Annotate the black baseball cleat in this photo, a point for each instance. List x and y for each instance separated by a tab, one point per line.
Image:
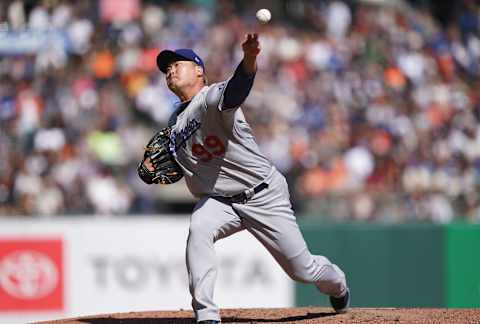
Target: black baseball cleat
341	304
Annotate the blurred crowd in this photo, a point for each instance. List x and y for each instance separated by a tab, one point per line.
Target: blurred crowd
371	109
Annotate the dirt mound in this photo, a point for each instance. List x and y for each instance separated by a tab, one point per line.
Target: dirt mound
291	315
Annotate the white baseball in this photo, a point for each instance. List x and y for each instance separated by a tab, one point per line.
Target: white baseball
264	15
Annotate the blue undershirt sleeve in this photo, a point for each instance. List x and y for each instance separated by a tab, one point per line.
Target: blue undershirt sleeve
238	88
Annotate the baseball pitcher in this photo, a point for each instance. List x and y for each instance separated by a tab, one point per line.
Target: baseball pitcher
209	142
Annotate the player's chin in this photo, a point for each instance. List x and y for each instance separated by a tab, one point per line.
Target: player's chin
172	85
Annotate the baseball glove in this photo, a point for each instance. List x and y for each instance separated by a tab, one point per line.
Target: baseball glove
166	169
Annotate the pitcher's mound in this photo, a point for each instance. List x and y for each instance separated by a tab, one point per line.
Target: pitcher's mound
292	315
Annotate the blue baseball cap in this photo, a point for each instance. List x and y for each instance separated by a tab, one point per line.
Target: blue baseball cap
165	57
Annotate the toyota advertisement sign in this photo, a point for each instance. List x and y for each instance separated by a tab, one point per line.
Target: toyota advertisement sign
58	268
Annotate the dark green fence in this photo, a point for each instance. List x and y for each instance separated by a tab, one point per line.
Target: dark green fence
411	265
462	281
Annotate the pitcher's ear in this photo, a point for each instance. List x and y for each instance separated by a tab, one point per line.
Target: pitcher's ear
200	71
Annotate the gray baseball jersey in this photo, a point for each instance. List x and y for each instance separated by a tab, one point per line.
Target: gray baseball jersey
219	155
215	147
